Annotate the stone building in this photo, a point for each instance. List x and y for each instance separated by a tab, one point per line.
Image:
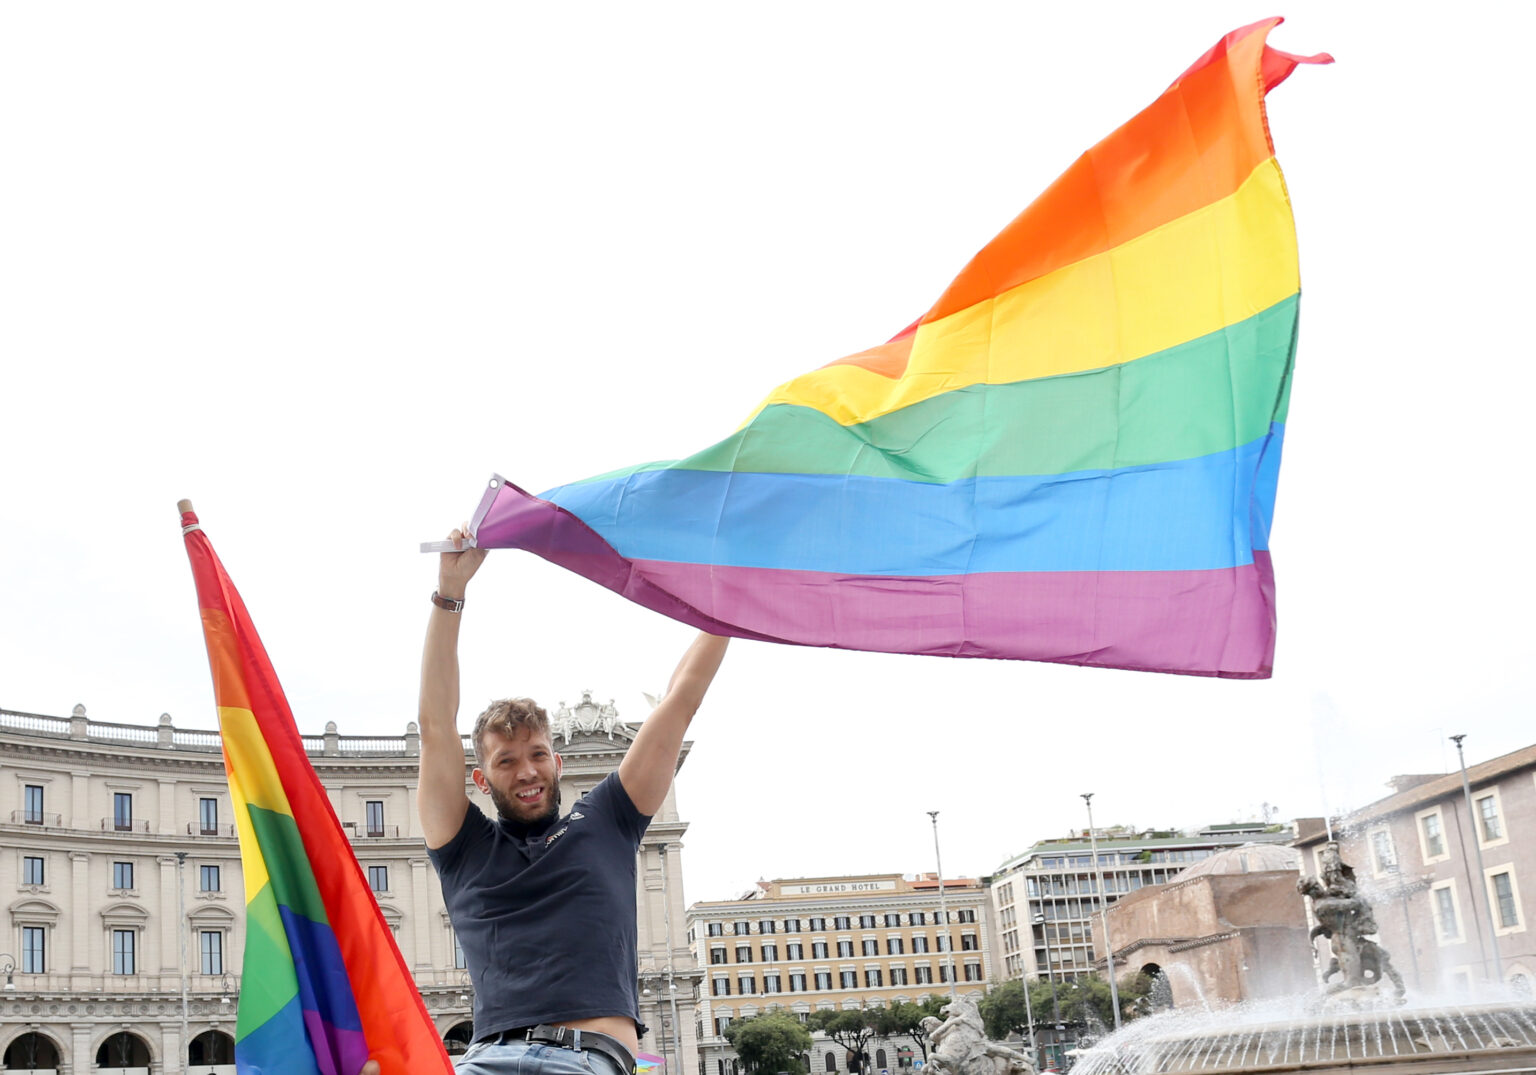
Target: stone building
814	943
1450	924
1227	929
1044	900
122	891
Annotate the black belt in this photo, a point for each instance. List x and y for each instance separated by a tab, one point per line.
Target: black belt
567	1038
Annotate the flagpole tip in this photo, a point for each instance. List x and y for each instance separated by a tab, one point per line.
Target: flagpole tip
183	506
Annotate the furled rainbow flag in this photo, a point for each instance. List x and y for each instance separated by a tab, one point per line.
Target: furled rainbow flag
323	987
1071	457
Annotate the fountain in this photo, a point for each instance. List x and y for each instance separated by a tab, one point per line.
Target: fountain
1363	1019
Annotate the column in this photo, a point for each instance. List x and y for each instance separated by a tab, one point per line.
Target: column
81	1057
171	925
79	919
167	822
421	916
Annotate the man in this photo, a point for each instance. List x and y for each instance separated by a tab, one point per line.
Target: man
543	906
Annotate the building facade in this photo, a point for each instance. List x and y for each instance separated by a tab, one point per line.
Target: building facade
124	903
822	943
1453	889
1045	899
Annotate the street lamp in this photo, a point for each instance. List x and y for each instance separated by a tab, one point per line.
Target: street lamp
949	948
1029	1017
1477	845
1109	948
1050	975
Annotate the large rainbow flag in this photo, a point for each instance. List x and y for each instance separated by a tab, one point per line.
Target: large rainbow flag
323	987
1072	456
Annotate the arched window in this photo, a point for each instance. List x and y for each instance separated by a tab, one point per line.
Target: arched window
831	1062
458	1038
123	1050
880	1059
211	1047
32	1051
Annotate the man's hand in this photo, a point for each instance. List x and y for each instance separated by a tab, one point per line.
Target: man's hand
370	1068
455	569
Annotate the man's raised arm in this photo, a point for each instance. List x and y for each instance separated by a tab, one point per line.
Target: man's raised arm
646	771
440	798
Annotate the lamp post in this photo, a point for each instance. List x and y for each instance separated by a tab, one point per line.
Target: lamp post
1029	1016
1109	948
666	918
181	929
1482	872
949	949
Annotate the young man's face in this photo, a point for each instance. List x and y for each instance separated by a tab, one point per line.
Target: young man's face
521	775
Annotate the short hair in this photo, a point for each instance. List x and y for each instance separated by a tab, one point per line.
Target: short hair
504	717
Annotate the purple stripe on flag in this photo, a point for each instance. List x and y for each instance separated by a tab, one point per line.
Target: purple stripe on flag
337	1051
1214	622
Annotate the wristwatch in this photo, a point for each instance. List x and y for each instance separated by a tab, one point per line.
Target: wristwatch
447	604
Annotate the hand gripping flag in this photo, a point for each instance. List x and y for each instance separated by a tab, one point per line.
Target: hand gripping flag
1072	456
323	986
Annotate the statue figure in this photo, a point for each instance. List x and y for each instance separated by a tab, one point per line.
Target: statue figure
587	718
960	1045
1345	918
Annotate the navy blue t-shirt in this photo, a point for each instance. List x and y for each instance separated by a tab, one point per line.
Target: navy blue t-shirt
547	923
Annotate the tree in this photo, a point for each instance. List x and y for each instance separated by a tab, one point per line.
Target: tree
904	1018
770	1043
1004	1012
851	1028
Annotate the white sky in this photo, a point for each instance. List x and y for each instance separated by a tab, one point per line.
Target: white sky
323	268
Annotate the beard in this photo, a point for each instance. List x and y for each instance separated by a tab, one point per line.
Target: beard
508	809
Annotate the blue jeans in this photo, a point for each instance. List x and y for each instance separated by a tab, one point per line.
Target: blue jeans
533	1058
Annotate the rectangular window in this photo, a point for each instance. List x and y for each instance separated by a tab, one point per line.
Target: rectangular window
34	950
973	972
771	983
716	929
872	977
373	817
459	962
1382	852
208	816
818	924
1445	914
122	875
378	878
721	1022
717	956
721	987
1488	812
893	919
32	804
211	949
845	948
1434	838
742	929
848	979
967	915
770	952
1504	899
791	925
208	879
747	984
941	943
840	922
898	975
743	953
919	943
767	925
818	949
32	870
122	811
871	946
866	921
794	950
893	946
945	972
122	951
917	918
922	975
823	980
797	982
969	942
